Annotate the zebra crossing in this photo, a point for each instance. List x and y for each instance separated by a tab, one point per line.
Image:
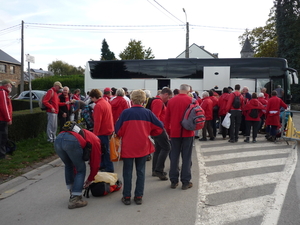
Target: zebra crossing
243	183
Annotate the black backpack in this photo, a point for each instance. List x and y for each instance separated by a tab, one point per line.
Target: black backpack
253	113
236	102
149	102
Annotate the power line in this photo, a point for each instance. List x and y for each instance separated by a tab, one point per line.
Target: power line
168	11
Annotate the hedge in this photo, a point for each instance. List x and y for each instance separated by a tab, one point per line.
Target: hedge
27	125
23	104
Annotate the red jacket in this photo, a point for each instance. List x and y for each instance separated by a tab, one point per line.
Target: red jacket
253	104
215	100
118	104
103	119
263	101
222	103
135	125
95	157
5	105
107	98
207	106
159	109
231	98
51	100
174	114
266	96
273	111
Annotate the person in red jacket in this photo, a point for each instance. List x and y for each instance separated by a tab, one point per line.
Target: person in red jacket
261	98
273	116
103	127
264	91
162	143
252	111
207	106
236	113
51	101
222	103
118	104
215	99
5	114
135	125
69	147
181	139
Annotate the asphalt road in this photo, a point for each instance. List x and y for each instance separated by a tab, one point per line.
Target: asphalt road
234	183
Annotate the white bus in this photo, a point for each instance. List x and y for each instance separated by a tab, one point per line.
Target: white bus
201	74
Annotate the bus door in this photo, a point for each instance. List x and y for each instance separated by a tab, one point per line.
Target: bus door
216	76
263	83
161	83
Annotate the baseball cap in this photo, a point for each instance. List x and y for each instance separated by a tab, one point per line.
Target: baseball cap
7	81
58	84
107	89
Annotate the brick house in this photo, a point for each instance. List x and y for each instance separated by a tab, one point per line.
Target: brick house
10	68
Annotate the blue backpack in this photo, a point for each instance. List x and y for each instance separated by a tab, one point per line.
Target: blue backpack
87	115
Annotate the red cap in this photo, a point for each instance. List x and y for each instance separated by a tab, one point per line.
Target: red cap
107	89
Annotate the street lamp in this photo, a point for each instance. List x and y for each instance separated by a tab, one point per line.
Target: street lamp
187	36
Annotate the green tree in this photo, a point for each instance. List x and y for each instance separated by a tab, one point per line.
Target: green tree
263	39
135	50
61	68
106	54
288	32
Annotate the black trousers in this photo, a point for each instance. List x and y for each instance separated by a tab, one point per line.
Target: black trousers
3	138
255	128
235	122
162	149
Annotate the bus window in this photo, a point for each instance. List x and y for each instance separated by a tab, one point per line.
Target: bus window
153	69
182	69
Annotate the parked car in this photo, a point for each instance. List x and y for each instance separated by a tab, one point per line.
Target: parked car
36	95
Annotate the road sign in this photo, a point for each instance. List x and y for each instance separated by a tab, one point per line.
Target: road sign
29	58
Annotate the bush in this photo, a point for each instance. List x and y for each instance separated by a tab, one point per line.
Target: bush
27	125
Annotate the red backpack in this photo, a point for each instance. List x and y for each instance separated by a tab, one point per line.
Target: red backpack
193	118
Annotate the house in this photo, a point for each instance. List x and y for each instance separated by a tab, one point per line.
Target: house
10	68
196	51
37	73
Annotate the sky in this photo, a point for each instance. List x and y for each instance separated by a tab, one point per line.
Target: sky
158	24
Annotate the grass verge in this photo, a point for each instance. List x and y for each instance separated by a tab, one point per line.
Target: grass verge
28	152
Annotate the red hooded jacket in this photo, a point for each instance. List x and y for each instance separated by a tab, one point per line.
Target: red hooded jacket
118	104
159	109
207	106
5	105
273	111
253	104
51	100
222	103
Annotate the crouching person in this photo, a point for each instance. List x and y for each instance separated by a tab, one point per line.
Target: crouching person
135	125
70	145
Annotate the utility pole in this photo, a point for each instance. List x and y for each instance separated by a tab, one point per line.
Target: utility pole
187	55
22	58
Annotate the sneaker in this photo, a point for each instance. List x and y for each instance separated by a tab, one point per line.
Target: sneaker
231	141
76	202
196	137
161	175
138	200
174	185
212	139
186	186
126	200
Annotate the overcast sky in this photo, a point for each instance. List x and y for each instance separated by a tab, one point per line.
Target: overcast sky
214	24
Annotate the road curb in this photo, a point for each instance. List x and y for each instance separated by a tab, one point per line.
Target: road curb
5	187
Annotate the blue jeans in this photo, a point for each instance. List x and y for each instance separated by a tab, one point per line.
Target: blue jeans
184	147
106	164
140	166
69	150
